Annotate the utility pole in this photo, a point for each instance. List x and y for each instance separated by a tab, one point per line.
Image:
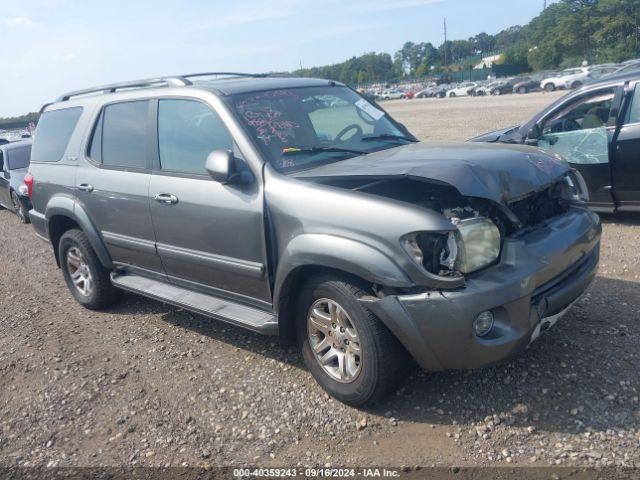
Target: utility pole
445	41
544	5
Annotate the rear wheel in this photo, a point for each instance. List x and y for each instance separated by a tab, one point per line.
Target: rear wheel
87	279
347	349
452	94
522	90
18	208
549	87
576	84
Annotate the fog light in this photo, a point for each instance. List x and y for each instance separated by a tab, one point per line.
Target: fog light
483	323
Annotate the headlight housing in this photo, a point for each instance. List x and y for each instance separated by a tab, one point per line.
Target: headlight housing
478	245
474	245
577	186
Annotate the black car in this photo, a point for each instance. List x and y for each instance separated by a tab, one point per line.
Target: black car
526	85
506	86
597	130
14	163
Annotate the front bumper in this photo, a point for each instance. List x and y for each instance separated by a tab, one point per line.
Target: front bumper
539	276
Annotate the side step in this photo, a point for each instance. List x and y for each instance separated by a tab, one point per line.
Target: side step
230	312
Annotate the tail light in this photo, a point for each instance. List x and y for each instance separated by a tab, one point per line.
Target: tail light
28	181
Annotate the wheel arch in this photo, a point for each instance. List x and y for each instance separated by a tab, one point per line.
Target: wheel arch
64	214
309	254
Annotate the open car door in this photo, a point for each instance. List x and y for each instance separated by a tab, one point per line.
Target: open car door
582	132
626	155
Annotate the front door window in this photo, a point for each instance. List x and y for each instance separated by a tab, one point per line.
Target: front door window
579	132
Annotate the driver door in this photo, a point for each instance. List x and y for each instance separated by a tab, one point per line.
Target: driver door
581	132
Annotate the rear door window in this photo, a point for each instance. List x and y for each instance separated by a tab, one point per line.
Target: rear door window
188	131
53	133
124	133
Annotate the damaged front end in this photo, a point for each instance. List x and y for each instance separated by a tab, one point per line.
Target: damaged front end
481	225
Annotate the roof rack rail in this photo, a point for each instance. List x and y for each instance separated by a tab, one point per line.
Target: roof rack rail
175	81
227	74
171	81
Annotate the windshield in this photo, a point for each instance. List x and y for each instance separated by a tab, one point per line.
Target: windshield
299	128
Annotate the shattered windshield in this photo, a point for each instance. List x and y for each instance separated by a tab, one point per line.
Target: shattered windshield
300	128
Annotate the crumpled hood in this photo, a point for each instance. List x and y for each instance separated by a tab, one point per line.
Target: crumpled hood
498	172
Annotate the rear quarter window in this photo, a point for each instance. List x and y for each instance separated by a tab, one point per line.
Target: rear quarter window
53	133
19	157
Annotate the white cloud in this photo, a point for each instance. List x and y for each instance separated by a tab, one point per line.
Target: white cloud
253	13
18	22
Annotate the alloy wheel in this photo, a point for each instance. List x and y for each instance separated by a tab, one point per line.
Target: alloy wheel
79	271
334	340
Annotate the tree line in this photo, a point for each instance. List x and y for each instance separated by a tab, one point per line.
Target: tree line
563	35
19	122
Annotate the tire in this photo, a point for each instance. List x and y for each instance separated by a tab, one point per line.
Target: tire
549	87
522	90
99	292
382	360
575	85
18	208
452	95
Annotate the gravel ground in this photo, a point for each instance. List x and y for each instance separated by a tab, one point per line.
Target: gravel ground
148	384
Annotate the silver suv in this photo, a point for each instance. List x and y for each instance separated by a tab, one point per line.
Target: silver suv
296	207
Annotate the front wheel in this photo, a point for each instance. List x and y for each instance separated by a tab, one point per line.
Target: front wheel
87	279
522	90
452	95
19	209
347	349
549	87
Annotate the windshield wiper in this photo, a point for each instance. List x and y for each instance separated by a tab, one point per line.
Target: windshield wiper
299	150
387	136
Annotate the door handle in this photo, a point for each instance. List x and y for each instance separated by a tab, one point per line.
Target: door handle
166	198
85	187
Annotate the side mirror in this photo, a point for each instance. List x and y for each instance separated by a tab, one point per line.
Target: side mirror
221	166
534	132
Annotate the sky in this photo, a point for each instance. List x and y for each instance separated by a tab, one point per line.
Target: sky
48	47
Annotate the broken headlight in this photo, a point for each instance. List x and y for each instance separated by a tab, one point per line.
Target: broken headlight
577	186
474	245
435	251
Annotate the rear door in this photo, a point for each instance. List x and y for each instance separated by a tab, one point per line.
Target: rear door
581	131
626	165
112	183
210	236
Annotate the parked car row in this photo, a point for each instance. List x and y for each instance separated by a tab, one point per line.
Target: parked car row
296	207
549	81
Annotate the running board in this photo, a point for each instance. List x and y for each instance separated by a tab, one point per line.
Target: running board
214	307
